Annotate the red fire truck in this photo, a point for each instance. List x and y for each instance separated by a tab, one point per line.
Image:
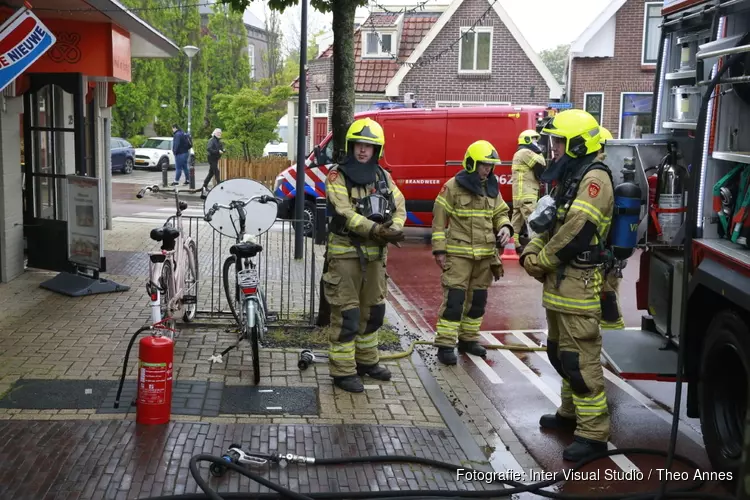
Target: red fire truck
423	149
694	234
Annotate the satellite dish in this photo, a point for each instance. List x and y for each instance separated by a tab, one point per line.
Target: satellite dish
259	217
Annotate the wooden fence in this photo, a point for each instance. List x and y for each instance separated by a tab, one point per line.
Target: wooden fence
263	170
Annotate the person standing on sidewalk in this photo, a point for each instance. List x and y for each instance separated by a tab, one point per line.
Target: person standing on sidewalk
471	206
565	256
528	165
367	212
215	149
181	150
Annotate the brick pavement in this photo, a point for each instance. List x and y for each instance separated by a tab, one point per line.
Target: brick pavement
44	335
120	460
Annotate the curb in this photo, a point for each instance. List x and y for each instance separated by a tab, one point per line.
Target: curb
456	426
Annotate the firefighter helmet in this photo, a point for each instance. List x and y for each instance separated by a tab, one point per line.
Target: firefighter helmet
605	135
579	130
528	136
368	131
480	152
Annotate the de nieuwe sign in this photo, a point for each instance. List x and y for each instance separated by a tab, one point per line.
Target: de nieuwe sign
23	40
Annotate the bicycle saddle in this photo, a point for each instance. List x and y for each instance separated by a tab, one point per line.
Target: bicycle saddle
245	250
165	233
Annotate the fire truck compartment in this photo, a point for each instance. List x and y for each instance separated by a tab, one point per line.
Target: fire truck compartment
639	355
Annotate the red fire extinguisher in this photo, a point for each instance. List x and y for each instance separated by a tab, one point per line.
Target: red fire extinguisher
154	401
155	366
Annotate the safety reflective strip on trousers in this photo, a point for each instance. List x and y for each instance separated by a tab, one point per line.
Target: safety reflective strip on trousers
590	405
341	351
447	327
367	340
608	325
471	325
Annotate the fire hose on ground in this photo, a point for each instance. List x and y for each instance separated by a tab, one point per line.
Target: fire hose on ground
236	460
308	357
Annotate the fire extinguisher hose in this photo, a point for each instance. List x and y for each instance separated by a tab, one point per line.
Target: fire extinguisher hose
147	328
515	486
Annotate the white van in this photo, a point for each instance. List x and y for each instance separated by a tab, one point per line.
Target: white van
278	148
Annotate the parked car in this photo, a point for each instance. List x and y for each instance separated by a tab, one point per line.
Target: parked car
278	147
420	173
123	155
155	152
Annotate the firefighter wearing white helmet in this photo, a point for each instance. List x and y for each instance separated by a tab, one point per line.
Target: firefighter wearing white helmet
367	212
528	165
571	225
476	216
611	310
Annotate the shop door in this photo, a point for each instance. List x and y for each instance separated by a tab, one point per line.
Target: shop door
53	148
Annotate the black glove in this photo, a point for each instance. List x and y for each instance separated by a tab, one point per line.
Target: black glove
384	233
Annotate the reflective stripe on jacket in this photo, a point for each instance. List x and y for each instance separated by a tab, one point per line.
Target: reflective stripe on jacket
473	222
524	182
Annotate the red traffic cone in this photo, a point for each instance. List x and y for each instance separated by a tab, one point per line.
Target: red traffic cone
509	252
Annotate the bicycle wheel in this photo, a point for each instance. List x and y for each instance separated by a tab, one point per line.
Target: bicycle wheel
255	342
190	287
167	292
230	287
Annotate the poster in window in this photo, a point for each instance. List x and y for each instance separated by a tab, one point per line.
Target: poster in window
84	222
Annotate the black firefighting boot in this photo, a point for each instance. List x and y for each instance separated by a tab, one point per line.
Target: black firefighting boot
349	383
472	347
583	448
557	421
447	355
375	371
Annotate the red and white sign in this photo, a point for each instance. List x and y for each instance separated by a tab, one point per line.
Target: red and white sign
23	40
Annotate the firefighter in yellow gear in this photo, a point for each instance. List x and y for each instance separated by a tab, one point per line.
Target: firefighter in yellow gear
528	165
367	212
466	251
571	226
611	310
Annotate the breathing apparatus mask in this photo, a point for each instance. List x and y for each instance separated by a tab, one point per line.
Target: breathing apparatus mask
543	218
376	206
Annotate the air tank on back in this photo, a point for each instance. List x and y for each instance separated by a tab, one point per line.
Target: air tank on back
627	212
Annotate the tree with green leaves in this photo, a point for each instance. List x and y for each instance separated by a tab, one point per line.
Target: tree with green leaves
250	116
343	56
555	60
227	63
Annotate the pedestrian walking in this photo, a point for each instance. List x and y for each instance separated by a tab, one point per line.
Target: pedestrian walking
215	149
181	149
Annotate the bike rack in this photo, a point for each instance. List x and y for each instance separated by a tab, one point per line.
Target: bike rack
290	286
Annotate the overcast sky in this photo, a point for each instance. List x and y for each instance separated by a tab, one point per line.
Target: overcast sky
544	23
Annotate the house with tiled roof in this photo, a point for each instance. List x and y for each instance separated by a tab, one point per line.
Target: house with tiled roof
466	53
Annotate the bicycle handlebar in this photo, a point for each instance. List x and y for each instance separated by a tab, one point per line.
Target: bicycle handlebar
153	188
238	204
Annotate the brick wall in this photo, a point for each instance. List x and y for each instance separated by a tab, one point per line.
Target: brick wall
614	75
513	76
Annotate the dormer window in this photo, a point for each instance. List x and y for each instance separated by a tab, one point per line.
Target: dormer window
378	44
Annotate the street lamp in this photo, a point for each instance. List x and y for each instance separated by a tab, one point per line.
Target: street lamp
190	51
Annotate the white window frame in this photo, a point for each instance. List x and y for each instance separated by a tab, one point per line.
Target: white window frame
379	54
646	8
251	59
601	109
477	30
468	104
622	105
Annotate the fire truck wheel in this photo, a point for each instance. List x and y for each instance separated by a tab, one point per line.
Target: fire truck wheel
723	389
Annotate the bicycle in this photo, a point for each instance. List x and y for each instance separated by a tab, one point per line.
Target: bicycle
172	284
248	305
